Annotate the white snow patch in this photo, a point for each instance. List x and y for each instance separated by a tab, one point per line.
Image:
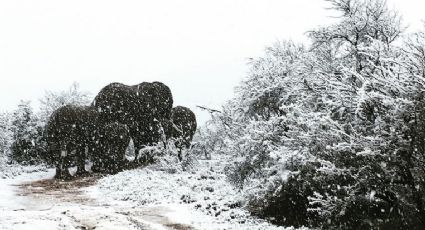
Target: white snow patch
9	200
201	198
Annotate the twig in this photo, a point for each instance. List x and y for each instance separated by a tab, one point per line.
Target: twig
208	109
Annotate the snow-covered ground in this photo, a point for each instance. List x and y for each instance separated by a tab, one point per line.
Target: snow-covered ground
10	198
155	197
36	201
201	198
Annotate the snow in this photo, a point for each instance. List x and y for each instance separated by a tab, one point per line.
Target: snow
9	200
201	198
71	217
161	196
46	211
13	170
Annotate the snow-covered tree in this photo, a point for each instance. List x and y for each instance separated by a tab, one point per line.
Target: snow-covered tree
53	100
333	135
5	135
26	133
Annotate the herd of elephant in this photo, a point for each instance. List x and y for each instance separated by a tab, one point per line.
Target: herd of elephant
119	113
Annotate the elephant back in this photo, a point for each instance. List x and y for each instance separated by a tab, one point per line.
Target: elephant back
115	103
155	101
65	119
70	125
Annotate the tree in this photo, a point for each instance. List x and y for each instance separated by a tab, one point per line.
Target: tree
5	135
25	134
53	100
335	129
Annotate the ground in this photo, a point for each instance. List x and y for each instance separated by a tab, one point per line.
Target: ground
36	201
156	197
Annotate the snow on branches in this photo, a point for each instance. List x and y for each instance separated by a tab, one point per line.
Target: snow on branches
336	130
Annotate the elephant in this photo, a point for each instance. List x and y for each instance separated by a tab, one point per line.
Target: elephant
71	128
116	102
163	99
143	108
182	128
114	139
148	133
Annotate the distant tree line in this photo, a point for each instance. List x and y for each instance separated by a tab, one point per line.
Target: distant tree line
332	135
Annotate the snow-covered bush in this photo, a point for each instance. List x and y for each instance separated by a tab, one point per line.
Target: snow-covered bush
53	100
209	138
27	133
5	135
332	135
5	139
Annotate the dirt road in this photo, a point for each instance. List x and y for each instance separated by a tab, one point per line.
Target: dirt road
45	203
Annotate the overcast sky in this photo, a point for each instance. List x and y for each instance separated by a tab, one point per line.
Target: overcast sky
199	48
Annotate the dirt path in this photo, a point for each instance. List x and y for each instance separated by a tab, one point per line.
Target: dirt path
55	204
62	191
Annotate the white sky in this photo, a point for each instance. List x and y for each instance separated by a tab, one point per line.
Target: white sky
197	47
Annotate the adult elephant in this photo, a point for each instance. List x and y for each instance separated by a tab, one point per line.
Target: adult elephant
143	108
114	139
183	127
116	102
71	128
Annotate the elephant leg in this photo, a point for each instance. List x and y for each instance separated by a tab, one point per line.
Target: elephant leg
122	160
180	148
81	164
121	165
57	161
136	153
64	165
178	145
59	170
146	156
95	167
165	143
99	152
150	156
98	165
117	164
188	144
179	154
117	160
95	160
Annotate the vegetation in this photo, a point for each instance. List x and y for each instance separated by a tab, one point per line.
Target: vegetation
332	135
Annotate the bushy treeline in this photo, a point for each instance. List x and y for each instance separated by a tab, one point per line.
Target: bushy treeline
332	135
22	132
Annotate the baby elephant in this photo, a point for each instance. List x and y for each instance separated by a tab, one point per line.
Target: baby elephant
114	139
183	122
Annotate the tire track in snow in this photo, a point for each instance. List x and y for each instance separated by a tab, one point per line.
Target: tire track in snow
69	204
